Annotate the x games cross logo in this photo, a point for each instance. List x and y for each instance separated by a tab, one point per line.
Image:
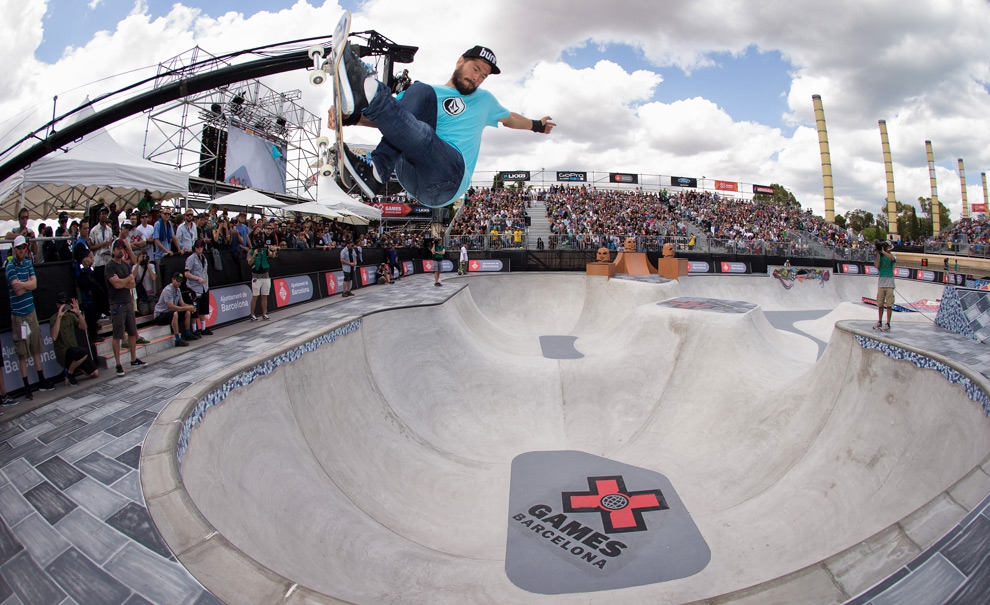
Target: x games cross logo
621	509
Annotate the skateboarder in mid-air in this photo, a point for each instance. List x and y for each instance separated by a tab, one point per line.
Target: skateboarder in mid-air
431	135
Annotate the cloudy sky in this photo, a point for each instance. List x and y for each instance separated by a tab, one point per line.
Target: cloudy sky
708	88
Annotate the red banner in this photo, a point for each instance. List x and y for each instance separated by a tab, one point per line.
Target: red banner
979	207
726	186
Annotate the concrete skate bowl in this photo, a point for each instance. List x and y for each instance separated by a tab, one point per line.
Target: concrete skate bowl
371	463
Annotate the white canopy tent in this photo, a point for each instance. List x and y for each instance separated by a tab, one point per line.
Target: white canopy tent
96	168
246	199
332	196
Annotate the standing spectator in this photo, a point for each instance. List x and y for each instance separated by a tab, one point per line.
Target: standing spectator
170	306
125	236
22	229
68	353
884	261
261	282
393	263
186	232
146	203
100	239
438	251
119	284
348	262
145	232
239	241
21	282
163	238
62	249
462	266
82	241
145	278
198	281
221	235
88	292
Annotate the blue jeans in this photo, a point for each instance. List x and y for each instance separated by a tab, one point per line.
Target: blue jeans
428	168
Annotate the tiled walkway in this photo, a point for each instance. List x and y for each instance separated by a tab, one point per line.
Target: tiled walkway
73	522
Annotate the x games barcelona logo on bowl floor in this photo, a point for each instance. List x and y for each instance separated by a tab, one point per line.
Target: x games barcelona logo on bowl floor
582	523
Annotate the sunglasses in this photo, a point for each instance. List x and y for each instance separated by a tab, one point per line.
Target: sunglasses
22	247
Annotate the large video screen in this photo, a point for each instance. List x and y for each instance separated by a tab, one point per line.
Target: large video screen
255	161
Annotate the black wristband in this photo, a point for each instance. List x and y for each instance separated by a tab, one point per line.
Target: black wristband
539	126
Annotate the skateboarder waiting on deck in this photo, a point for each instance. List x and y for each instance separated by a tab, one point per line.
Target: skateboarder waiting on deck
885	287
431	135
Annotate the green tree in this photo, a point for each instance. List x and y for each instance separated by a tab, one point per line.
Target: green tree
859	220
925	203
873	234
908	225
781	197
497	182
840	221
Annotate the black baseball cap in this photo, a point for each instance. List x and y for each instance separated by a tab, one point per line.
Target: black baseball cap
485	54
63	298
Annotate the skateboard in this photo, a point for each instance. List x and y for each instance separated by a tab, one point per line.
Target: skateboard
332	163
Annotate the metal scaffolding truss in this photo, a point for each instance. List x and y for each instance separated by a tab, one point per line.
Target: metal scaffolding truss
174	132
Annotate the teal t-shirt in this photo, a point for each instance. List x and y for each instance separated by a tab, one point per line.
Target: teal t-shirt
460	121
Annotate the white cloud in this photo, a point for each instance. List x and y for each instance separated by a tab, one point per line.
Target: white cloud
921	66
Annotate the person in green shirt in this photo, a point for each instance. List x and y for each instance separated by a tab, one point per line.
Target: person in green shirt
438	252
64	323
885	286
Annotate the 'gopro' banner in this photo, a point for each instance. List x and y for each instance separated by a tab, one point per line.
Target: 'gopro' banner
581	177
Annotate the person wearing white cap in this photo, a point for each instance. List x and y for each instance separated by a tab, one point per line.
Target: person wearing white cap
21	283
431	135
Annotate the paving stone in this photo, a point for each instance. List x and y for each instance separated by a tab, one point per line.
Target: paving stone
47	451
13	506
62	474
134	522
31	434
40	539
930	584
61	431
90	535
22	475
86	446
124	443
103	469
98	499
51	503
6	592
131	457
30	583
129	486
9	544
84	581
156	579
970	549
131	423
137	599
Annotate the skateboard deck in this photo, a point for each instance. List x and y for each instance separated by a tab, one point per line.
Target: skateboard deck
338	41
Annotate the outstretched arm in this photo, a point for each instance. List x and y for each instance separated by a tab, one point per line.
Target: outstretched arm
544	125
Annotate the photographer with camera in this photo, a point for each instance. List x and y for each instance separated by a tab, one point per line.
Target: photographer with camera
263	246
144	284
885	287
67	319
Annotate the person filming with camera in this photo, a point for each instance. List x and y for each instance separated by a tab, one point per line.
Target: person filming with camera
884	261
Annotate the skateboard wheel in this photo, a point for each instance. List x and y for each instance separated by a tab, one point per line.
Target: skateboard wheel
327	172
323	142
317	78
315	51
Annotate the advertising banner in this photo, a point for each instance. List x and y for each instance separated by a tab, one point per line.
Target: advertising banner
487	265
763	189
228	304
923	275
12	369
445	266
726	186
572	176
408	267
623	177
292	290
980	207
683	181
334	281
700	266
849	269
515	175
733	267
410	211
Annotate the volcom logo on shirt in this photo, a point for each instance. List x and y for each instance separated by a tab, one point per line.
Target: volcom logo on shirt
454	106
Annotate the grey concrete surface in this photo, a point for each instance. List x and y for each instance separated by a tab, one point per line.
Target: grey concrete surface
375	468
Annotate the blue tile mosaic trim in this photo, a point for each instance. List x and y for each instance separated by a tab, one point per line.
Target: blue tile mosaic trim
950	314
973	391
245	378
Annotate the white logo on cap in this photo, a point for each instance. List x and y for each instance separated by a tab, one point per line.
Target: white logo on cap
487	55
